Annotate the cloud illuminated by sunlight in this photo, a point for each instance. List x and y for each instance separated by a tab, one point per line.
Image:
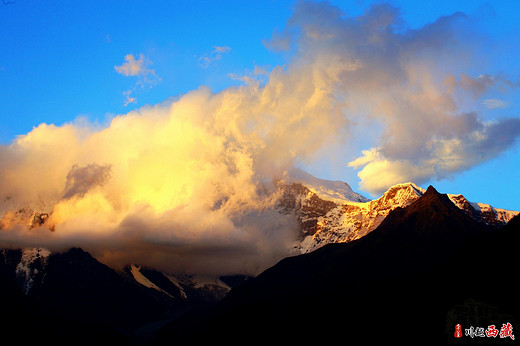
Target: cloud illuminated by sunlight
133	67
185	184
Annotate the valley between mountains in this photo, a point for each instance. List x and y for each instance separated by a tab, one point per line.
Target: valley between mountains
398	266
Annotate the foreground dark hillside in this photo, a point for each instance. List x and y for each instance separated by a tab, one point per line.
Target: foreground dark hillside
70	297
424	269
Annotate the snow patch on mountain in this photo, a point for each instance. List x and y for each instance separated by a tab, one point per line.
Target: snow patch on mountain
174	280
31	265
482	211
180	286
503	215
207	280
143	280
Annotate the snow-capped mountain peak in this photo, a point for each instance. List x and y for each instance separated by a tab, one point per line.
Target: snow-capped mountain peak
329	216
336	191
352	220
400	195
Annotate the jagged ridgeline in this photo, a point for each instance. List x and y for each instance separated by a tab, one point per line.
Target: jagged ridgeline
330	212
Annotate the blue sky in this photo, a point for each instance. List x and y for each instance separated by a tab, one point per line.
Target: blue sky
58	58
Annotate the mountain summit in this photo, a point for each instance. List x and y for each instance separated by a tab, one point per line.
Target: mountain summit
337	191
324	218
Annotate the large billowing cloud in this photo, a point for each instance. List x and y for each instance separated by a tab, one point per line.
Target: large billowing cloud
184	185
414	83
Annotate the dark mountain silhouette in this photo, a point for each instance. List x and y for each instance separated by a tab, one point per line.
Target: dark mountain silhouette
71	294
77	285
67	308
59	297
408	279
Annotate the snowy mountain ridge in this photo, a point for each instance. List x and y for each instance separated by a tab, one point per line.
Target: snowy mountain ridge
487	213
336	191
350	220
328	216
